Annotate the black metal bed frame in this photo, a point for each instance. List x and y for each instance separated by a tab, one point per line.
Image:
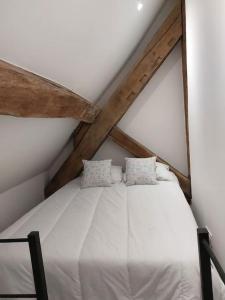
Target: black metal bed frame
206	255
33	240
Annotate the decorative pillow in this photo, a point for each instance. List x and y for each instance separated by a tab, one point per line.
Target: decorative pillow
116	174
166	176
161	175
161	165
96	173
141	171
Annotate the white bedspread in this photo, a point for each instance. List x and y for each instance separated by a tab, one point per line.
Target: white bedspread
114	243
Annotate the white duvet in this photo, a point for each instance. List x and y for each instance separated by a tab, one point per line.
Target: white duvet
113	243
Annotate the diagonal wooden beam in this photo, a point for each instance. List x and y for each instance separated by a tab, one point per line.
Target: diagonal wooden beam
79	133
156	52
24	94
139	150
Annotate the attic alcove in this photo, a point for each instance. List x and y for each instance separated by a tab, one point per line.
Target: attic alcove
110	81
41	140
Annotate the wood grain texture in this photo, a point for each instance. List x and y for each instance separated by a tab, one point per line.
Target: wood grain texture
79	133
24	94
154	55
185	81
139	150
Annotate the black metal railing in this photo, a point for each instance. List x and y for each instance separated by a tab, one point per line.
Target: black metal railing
206	255
33	240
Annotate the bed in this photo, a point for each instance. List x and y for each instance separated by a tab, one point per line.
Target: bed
112	243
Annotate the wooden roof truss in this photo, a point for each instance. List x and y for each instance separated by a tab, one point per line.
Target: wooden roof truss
96	126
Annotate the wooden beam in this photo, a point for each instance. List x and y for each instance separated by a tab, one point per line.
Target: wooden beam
139	150
185	84
24	94
156	52
79	133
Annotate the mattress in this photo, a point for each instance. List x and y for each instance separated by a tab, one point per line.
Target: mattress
112	243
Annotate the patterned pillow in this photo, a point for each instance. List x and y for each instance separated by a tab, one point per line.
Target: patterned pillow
96	173
141	171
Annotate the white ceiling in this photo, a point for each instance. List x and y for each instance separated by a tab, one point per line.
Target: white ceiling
79	43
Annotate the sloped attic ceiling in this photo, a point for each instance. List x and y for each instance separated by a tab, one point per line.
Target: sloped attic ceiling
79	44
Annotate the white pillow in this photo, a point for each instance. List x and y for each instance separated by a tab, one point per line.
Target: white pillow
162	172
96	173
116	174
141	171
164	175
161	165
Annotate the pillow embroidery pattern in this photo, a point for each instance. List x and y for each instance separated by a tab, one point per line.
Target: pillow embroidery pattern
141	171
96	173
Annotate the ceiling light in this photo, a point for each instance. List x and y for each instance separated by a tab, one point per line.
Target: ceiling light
139	6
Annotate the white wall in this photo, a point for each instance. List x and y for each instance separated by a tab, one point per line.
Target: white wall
206	78
64	154
20	199
110	150
29	146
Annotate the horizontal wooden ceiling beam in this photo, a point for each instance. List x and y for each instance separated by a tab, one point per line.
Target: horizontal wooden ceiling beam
156	52
139	150
24	94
